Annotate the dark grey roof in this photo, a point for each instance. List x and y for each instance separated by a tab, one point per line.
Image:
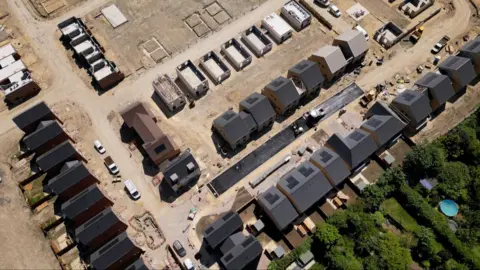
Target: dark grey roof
61	153
383	127
277	207
112	252
440	87
137	265
248	120
355	148
232	241
185	167
232	125
459	69
259	107
331	164
32	115
284	90
381	108
308	72
96	226
355	40
72	173
243	254
45	131
222	228
414	104
472	46
81	202
304	186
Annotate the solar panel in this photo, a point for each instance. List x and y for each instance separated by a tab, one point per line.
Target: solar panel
227	216
277	82
373	122
209	230
325	156
473	45
305	171
228	115
247	242
291	182
408	96
228	257
252	100
356	136
271	198
107	247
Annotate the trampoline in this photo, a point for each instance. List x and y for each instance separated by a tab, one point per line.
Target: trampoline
449	208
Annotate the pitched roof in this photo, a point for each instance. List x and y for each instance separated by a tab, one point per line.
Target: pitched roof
284	90
96	226
222	228
353	149
46	131
472	46
308	72
243	254
112	252
181	170
331	164
414	104
72	173
137	265
248	120
381	108
232	241
259	107
383	127
277	207
304	186
459	69
233	126
32	115
333	57
81	202
129	114
56	156
355	40
440	87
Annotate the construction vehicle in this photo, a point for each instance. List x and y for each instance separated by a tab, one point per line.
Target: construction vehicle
367	98
417	34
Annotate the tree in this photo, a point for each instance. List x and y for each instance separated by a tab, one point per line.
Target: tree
340	259
424	161
454	265
327	235
454	178
392	255
389	181
427	245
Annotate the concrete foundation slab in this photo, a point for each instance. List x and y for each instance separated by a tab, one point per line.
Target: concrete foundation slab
158	55
151	46
201	30
357	12
114	16
193	20
222	17
214	8
214	70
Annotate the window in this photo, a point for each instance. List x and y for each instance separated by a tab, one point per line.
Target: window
160	149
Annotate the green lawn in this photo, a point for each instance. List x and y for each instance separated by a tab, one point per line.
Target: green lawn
396	212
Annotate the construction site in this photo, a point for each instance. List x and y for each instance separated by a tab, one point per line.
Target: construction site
211	108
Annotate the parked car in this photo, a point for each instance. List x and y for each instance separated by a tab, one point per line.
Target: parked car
440	45
112	167
99	147
188	264
177	246
335	11
322	3
132	189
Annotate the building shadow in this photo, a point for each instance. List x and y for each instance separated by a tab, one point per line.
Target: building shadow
163	107
149	168
458	95
166	192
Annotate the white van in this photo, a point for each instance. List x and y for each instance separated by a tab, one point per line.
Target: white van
132	189
363	31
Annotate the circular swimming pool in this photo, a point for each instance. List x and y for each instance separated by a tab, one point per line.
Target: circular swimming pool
449	208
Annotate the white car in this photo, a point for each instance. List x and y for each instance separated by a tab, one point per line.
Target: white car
132	189
188	264
334	10
98	145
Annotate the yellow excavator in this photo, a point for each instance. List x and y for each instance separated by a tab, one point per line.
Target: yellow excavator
417	34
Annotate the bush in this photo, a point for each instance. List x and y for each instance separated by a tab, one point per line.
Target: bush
283	263
389	181
424	161
454	178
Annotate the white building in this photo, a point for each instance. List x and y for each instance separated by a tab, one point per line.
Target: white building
169	92
278	29
296	15
192	78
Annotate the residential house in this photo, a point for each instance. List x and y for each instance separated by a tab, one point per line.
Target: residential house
261	110
331	61
471	50
307	75
244	255
85	205
232	241
117	253
438	88
98	230
47	135
459	69
353	44
277	207
235	128
158	146
222	228
355	149
304	186
283	95
182	171
137	265
385	129
414	108
331	164
74	177
29	119
53	160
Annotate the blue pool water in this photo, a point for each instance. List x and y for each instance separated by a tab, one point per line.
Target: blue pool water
449	208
